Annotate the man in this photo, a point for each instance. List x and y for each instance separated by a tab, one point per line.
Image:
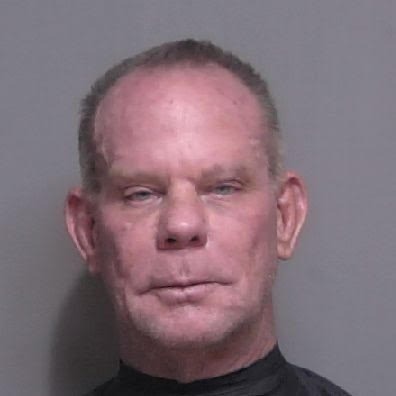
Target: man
184	211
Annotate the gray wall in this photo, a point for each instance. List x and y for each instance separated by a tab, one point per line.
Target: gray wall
331	65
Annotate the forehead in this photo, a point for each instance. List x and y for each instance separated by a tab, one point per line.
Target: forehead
177	79
180	102
209	85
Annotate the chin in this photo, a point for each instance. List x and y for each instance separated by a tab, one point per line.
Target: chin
189	328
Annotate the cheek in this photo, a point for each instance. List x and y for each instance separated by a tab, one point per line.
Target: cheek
263	236
124	248
247	238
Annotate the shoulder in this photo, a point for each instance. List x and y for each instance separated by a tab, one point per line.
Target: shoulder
316	385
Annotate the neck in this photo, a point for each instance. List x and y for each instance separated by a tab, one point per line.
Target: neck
187	364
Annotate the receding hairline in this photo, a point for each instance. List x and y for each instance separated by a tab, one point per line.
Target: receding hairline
161	70
184	53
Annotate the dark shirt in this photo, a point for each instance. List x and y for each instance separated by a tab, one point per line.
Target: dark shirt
272	376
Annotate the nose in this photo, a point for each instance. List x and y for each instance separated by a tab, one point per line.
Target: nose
182	223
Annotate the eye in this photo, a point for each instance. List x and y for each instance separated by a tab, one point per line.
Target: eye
225	189
139	195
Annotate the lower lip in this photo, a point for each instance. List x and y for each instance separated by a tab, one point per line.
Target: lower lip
185	295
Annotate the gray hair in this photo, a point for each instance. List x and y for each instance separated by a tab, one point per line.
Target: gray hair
185	52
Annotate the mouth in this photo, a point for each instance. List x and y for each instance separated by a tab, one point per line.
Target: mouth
181	293
184	285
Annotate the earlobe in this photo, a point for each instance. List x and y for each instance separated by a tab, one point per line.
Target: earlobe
80	225
291	212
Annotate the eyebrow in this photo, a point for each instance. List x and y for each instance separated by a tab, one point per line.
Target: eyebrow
136	176
212	173
220	171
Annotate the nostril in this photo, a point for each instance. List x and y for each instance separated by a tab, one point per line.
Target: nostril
172	241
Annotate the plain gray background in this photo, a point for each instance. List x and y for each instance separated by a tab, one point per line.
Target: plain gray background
331	66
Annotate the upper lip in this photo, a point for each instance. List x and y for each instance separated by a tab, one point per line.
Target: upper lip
182	283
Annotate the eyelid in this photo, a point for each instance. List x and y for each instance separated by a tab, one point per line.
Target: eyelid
132	189
129	193
234	185
229	182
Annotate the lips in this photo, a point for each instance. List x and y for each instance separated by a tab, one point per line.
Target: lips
183	285
181	292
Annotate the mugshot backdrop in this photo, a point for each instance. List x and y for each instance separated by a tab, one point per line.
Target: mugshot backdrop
331	66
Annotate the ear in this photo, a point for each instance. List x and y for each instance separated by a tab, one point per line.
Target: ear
80	225
291	212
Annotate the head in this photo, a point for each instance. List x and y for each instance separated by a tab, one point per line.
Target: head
183	211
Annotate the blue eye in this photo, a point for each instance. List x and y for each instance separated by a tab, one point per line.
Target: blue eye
139	195
225	189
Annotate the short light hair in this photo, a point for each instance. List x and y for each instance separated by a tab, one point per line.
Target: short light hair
187	52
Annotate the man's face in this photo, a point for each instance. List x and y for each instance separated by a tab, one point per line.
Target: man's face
185	223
